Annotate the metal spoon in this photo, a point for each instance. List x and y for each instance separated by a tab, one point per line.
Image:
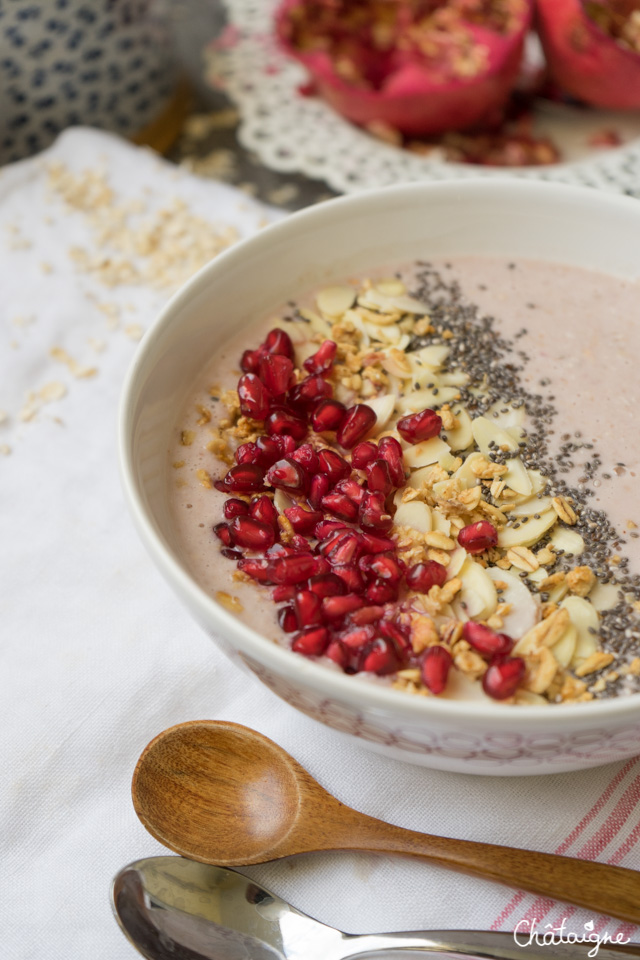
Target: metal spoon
224	794
176	909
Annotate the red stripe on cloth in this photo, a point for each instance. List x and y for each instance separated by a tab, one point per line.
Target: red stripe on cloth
613	824
518	897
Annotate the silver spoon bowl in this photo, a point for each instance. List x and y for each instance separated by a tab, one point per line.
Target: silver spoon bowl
171	908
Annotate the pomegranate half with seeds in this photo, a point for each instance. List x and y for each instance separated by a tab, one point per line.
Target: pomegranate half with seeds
593	49
419	68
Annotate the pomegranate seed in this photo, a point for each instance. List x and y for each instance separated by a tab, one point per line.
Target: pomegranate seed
379	476
254	534
329	542
307	457
373	515
250	361
308	608
485	640
302	520
370	614
230	554
244	478
310	391
269	451
285	421
358	420
503	676
344	548
478	536
325	527
235	508
279	550
320	486
299	544
336	652
287	619
322	566
283	592
247	453
340	506
279	342
262	509
285	444
392	632
293	569
260	570
381	591
352	488
254	397
380	566
422	576
419	426
349	573
358	638
312	642
322	359
391	451
333	466
382	659
223	533
328	415
435	668
373	544
327	585
335	608
275	372
287	475
363	454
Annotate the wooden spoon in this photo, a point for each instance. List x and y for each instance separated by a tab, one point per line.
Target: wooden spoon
224	794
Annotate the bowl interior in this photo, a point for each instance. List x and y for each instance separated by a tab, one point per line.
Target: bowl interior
329	243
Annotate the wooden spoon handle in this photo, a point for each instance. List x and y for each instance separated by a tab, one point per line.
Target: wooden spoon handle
613	891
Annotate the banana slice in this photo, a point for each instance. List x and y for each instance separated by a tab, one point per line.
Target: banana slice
424	453
486	432
527	534
525	607
334	301
414	514
478	597
584	618
462	436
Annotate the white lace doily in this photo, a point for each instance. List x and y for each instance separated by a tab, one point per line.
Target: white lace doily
296	134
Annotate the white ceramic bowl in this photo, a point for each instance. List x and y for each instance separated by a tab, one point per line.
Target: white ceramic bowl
327	243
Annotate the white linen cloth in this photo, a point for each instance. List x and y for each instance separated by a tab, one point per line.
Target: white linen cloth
98	656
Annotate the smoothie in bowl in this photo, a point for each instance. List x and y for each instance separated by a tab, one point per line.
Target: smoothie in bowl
420	476
385	452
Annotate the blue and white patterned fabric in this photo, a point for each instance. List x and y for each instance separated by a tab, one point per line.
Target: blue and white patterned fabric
106	63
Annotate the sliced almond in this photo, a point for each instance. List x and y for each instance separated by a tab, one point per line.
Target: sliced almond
431	357
526	534
334	301
506	416
486	432
391	287
424	453
442	524
524	610
538	481
564	649
414	514
585	619
568	540
282	501
457	560
383	407
389	304
462	436
415	401
478	597
465	473
604	596
517	477
527	698
530	506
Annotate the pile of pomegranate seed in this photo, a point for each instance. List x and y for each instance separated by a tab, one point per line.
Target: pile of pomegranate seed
338	575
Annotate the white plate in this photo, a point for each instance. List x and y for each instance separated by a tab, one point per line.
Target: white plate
295	134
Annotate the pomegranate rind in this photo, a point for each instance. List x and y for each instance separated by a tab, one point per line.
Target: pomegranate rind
414	99
584	60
